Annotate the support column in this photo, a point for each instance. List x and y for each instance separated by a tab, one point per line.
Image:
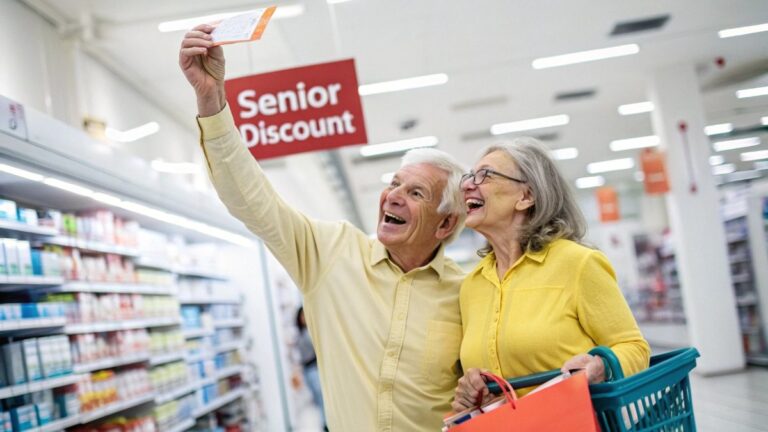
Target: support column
694	214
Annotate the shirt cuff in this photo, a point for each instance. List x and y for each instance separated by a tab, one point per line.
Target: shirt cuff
217	125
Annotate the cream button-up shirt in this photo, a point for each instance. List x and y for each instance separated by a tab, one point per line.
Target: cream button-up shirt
387	342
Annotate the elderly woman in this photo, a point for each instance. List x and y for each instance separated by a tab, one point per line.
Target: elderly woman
539	299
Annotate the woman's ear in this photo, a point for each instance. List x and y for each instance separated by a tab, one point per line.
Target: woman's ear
525	202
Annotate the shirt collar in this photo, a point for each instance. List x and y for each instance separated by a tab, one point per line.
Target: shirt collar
379	253
488	263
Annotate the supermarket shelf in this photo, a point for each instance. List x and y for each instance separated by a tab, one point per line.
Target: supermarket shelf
236	322
92	246
58	425
110	363
210	300
198	357
218	403
22	228
181	427
142	262
119	325
15	283
31	323
166	358
175	394
197	332
757	359
741	278
228	372
228	346
202	274
22	389
736	237
116	287
115	408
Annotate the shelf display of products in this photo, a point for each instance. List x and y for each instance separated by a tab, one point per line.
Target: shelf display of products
118	342
659	298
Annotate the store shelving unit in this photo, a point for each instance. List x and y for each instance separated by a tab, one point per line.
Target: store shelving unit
745	228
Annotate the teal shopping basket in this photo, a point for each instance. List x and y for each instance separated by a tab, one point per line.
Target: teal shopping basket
657	399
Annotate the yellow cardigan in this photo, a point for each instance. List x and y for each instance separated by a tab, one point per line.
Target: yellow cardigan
551	305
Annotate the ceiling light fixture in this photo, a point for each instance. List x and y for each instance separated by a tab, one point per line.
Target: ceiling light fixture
590	182
287	11
610	165
717	129
18	172
736	144
565	153
336	1
764	121
397	146
636	108
530	124
402	84
741	31
716	160
585	56
160	165
134	134
723	169
752	92
69	187
754	155
634	143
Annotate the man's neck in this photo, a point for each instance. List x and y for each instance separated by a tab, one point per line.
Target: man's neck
408	260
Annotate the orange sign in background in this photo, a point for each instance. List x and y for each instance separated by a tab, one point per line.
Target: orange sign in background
654	171
608	203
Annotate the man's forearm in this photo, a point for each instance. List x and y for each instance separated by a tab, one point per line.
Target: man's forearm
211	103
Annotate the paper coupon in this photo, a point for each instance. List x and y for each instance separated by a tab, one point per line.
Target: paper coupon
245	27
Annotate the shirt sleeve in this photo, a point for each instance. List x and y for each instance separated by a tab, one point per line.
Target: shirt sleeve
245	191
605	315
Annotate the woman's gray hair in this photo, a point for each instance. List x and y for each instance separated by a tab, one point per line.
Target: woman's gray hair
555	213
451	202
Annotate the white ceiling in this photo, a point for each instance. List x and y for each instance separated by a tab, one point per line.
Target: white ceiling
486	48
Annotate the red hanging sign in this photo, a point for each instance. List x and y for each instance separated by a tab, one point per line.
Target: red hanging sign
608	203
298	110
654	172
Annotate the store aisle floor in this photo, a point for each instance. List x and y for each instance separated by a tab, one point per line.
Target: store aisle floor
735	402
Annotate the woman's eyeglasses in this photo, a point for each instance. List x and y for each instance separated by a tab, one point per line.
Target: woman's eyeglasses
480	176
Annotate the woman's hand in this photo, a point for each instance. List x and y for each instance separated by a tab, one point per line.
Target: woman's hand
471	385
593	364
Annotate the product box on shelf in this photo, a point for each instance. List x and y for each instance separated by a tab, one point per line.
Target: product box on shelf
5	422
32	360
3	261
8	210
11	256
13	359
50	219
25	257
23	418
27	216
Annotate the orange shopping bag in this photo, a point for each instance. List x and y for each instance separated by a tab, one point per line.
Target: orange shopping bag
565	406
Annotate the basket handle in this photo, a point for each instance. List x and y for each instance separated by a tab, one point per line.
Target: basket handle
525	381
610	361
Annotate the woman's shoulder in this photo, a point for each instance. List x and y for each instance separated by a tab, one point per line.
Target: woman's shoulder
570	249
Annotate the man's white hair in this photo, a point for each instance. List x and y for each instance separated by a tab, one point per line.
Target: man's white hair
451	202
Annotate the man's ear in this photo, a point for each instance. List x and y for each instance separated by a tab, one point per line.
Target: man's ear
525	202
447	226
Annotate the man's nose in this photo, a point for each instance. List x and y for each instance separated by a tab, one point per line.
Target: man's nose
396	196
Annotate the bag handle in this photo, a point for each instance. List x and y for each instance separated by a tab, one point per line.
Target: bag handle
506	389
613	370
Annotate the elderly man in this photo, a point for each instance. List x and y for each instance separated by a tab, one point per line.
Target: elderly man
383	314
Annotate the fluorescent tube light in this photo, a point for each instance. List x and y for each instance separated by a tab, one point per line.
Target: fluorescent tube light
717	129
69	187
585	56
752	92
288	11
590	182
723	169
764	121
106	198
741	31
387	177
636	108
736	144
397	146
402	84
610	165
565	153
160	165
761	165
336	1
635	143
530	124
716	160
134	134
18	172
754	155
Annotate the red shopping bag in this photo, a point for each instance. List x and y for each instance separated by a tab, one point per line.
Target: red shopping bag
565	406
